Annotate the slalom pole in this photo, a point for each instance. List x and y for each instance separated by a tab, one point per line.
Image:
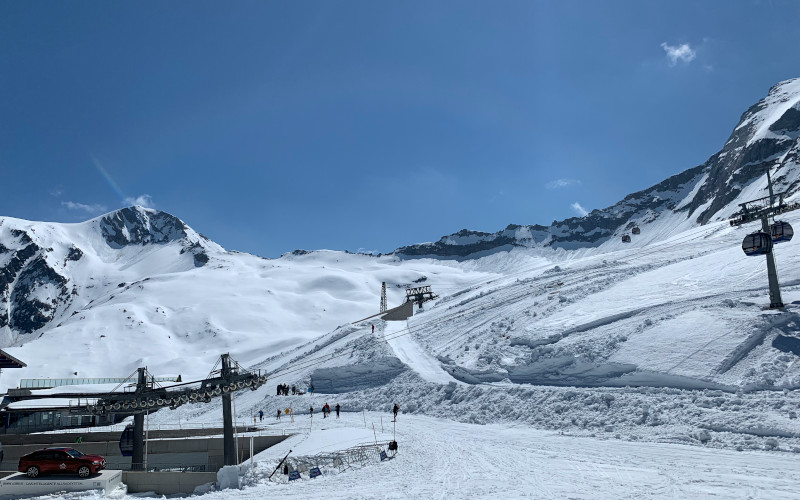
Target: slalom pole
376	436
363	414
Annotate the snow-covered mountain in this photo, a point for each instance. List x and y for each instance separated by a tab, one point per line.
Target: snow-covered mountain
649	339
766	136
41	264
140	287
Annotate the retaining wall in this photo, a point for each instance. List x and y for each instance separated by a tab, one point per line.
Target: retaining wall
166	483
399	313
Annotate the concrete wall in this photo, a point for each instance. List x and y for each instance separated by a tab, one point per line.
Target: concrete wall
166	483
399	313
179	449
88	436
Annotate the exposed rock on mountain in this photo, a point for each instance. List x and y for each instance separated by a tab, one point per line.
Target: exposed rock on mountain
37	260
134	226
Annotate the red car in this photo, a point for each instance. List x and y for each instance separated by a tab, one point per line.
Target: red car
60	461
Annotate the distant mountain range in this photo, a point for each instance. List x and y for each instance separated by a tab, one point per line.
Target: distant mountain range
766	136
139	284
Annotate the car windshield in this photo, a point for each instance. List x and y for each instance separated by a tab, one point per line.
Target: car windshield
74	453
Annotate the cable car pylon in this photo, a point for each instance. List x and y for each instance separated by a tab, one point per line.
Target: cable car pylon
147	397
762	242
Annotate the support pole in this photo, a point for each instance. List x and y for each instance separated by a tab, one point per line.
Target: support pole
137	459
775	299
229	444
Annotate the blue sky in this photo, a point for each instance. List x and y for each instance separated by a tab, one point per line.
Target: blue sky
363	125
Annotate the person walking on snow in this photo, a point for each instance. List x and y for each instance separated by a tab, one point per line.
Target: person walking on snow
279	415
373	328
261	415
337	410
395	410
311	411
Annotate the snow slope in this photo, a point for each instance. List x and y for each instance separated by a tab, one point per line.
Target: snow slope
150	305
411	354
443	459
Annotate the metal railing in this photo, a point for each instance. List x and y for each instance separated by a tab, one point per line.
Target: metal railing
241	429
49	383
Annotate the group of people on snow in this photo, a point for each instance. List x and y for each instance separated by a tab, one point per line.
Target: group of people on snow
326	410
283	390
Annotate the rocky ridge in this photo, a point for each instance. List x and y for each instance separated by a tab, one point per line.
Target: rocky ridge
766	136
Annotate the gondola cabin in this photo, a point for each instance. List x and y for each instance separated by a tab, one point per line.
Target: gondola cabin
636	230
759	243
126	442
626	238
781	231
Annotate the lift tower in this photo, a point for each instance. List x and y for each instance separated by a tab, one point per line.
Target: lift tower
137	459
147	397
761	243
228	443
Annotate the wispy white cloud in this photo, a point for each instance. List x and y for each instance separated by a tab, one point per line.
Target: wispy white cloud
675	53
144	200
579	209
82	207
561	183
56	192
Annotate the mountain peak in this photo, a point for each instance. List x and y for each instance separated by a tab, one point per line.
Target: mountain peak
138	225
774	118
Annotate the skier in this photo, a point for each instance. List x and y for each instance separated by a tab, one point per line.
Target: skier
337	410
373	328
395	410
294	390
278	416
326	410
280	389
261	415
311	412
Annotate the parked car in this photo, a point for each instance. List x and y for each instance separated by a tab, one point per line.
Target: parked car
60	461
